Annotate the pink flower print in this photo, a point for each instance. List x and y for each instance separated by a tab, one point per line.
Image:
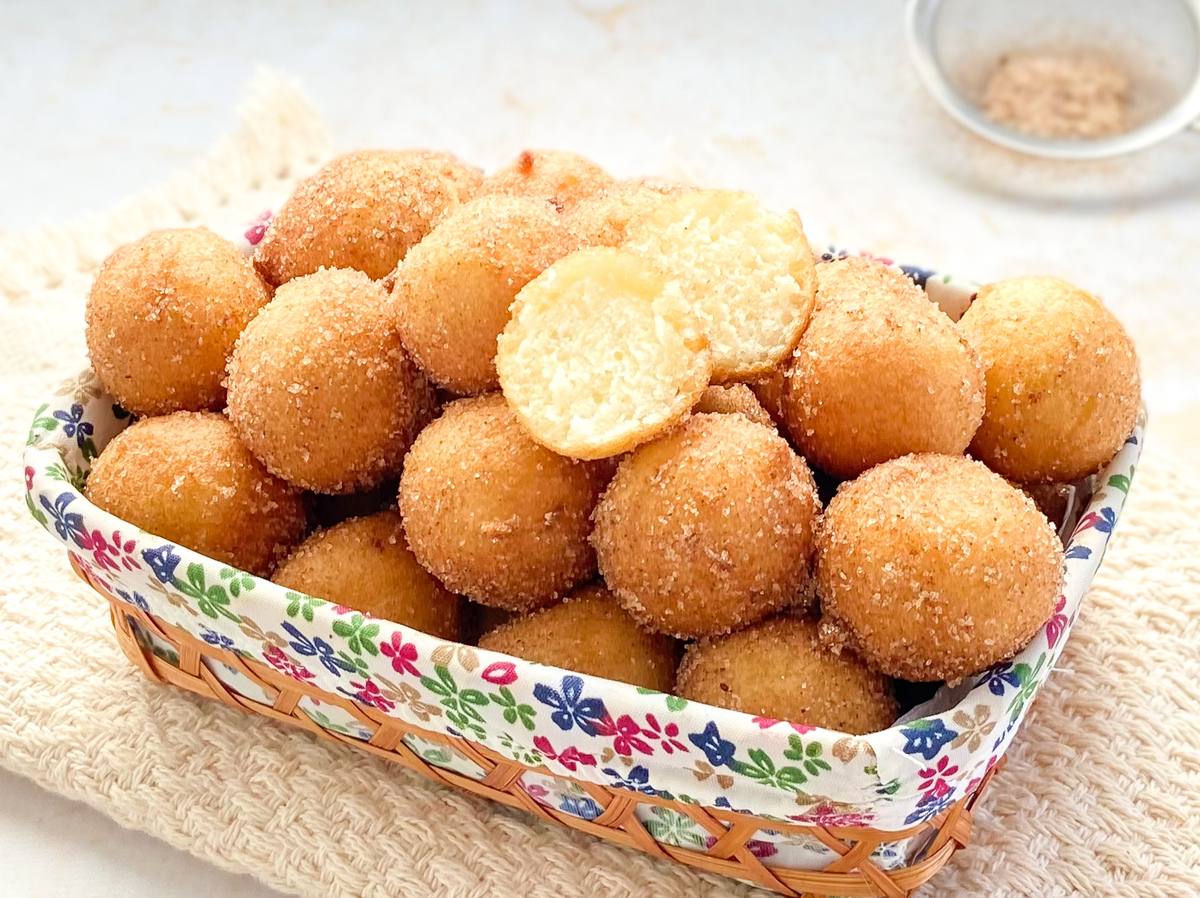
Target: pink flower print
933	779
368	693
768	722
538	793
668	736
29	479
500	673
1057	625
285	665
258	230
570	758
115	553
403	654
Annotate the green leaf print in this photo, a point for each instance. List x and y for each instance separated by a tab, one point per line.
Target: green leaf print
359	634
513	711
762	769
461	706
1029	684
239	581
674	828
674	702
1122	481
302	605
211	600
34	510
809	756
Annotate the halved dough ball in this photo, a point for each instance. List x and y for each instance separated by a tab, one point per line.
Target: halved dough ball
554	176
601	354
932	567
320	388
1062	379
779	669
708	528
365	564
747	273
880	375
363	210
589	633
187	478
454	289
163	315
494	515
603	219
729	399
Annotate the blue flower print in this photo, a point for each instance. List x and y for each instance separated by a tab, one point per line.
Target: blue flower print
320	649
1078	552
920	276
74	425
570	708
68	524
929	807
217	639
162	561
580	806
638	780
926	737
719	751
135	598
1000	677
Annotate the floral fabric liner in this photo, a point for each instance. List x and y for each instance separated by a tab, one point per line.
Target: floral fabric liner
573	725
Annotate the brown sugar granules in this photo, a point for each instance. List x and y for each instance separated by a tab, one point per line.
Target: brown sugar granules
1060	96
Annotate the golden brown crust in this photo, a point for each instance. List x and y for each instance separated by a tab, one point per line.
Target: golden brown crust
163	315
603	218
708	528
779	669
730	399
878	375
187	478
590	633
554	176
1062	379
494	515
320	388
935	567
850	277
365	564
363	210
454	290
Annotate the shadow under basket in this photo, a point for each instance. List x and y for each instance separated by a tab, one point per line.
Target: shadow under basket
169	655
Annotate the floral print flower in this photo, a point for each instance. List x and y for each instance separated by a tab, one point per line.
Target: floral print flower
67	524
74	425
973	728
1057	625
162	561
279	660
114	552
570	706
1000	677
926	737
718	751
403	655
368	693
580	806
500	673
218	640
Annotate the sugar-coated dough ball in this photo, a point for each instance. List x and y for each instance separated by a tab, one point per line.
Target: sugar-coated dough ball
779	669
770	390
453	291
708	528
363	210
365	564
728	399
603	219
931	567
851	276
163	315
320	388
187	478
880	374
602	353
589	633
747	273
1062	379
494	515
554	176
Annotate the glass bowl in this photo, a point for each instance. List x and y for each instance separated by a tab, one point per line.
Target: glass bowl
956	44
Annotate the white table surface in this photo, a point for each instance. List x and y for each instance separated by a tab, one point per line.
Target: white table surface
812	105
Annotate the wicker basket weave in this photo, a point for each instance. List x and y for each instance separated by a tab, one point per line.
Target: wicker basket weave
851	874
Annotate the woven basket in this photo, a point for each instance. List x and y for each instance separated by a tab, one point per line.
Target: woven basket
788	807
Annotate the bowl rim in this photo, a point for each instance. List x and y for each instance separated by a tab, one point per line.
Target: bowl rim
920	19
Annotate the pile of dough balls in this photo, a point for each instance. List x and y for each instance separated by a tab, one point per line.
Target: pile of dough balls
588	417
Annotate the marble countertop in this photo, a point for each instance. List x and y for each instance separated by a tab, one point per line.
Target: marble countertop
812	105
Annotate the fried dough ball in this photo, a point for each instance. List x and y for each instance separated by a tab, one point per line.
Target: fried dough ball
769	390
589	633
163	315
851	276
494	515
931	567
320	388
602	353
365	564
708	528
879	375
454	289
187	478
363	210
728	399
554	176
779	669
603	219
747	272
1062	379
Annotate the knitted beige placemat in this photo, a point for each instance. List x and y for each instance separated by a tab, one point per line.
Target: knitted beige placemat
1101	798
